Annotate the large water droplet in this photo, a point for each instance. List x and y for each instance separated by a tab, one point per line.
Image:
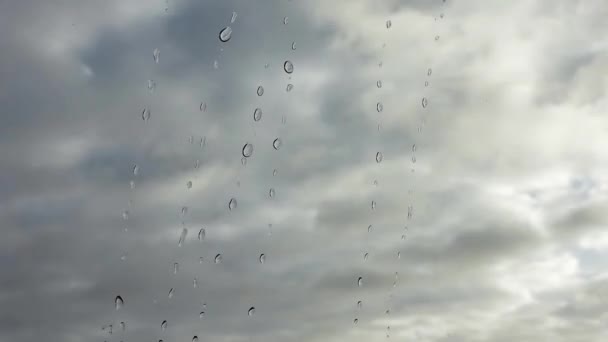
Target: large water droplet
201	234
277	143
182	237
425	102
257	114
247	150
156	55
379	157
145	114
260	91
171	292
233	19
225	34
218	258
232	204
389	24
118	302
251	311
379	107
360	281
271	193
163	325
262	258
288	67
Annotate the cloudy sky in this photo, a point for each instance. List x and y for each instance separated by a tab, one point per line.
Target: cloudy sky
453	159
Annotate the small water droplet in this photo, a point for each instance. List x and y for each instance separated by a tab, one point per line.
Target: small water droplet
260	91
365	256
359	305
182	237
285	21
156	55
197	164
379	107
247	150
201	234
118	302
271	193
426	83
225	34
398	255
389	24
201	315
288	67
379	157
145	114
171	292
175	267
257	114
132	184
184	210
275	172
293	46
163	325
233	19
413	159
189	184
375	182
125	215
441	16
289	87
232	204
135	170
200	260
195	282
379	84
436	38
262	258
429	72
370	228
356	321
203	107
277	143
373	205
195	338
218	259
151	85
360	281
251	311
425	102
216	64
123	326
414	148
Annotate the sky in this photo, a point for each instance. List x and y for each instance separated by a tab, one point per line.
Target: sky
450	155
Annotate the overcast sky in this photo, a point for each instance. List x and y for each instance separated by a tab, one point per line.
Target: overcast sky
454	159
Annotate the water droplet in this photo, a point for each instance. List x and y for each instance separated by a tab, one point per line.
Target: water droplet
175	267
200	260
203	107
232	204
275	172
156	55
218	258
389	24
132	184
118	302
285	20
123	326
195	338
373	205
277	143
125	215
145	114
426	83
171	292
189	185
216	64
375	182
251	311
163	325
271	193
379	107
204	306
293	46
425	102
262	258
195	282
379	157
289	87
356	321
201	234
436	38
247	150
360	281
398	255
370	228
197	164
365	256
260	91
359	305
123	257
414	148
441	16
288	67
379	84
151	85
413	159
184	210
225	34
182	237
233	19
257	114
429	72
201	315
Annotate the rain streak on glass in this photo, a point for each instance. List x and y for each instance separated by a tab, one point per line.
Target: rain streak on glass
232	204
262	258
163	325
145	114
288	67
247	150
257	114
260	91
277	143
118	302
218	258
251	311
379	157
156	55
225	34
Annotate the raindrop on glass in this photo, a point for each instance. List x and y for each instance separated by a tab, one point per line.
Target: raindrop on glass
123	326
195	338
163	325
156	55
360	281
145	114
118	302
379	107
398	255
251	311
151	85
373	205
201	315
365	256
225	34
441	16
135	170
293	45
216	64
218	258
289	87
201	234
388	24
200	260
426	83
233	19
189	185
370	228
285	20
175	268
171	292
359	305
257	114
232	204
429	72
413	159
436	38
277	143
425	102
262	258
271	193
125	215
195	282
260	91
247	150
203	107
132	184
288	67
379	157
379	84
355	321
182	237
275	172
